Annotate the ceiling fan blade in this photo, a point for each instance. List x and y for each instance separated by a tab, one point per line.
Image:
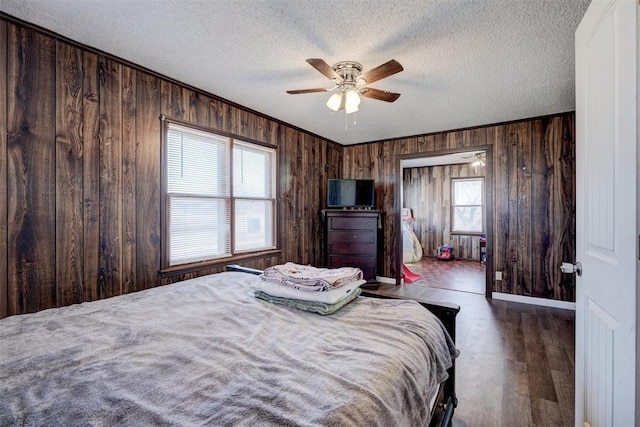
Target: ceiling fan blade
298	91
324	68
385	70
379	94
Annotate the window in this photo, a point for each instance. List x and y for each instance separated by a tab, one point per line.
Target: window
467	205
219	196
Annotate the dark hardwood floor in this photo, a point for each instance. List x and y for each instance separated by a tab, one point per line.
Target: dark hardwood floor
516	366
456	275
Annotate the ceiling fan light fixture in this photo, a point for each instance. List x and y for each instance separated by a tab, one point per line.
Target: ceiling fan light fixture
349	82
480	160
335	101
353	97
352	100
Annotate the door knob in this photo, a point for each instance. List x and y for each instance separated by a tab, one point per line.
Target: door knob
569	268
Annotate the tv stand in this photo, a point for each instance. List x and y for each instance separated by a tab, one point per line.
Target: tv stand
351	238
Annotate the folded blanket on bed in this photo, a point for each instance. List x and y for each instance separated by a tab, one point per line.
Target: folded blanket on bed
331	296
308	278
316	307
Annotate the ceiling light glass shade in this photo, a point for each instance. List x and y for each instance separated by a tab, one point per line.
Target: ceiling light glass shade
352	101
334	101
350	109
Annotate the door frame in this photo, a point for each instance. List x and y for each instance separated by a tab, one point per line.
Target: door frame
488	193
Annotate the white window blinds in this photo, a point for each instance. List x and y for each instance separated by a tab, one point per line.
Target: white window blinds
208	215
254	200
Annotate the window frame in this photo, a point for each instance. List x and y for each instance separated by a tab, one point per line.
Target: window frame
482	206
236	256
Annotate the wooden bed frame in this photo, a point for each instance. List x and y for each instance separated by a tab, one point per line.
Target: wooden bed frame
442	412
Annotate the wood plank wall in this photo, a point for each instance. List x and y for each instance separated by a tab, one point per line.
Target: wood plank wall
80	147
427	191
533	203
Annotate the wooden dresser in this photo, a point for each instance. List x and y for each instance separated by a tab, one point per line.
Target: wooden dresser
352	240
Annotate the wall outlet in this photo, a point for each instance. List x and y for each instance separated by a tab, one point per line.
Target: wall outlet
498	275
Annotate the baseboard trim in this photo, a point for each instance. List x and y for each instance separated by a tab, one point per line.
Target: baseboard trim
534	301
389	280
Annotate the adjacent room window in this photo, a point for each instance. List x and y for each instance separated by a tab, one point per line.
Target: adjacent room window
467	205
220	196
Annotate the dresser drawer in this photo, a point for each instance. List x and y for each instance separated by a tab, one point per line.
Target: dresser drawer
365	263
353	248
356	223
353	236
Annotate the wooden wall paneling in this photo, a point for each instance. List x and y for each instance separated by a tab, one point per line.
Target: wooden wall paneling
478	137
292	198
111	196
510	279
175	100
91	175
289	182
425	200
317	156
524	251
273	133
147	180
299	210
497	137
446	205
129	205
31	171
4	290
541	170
561	139
260	129
309	206
239	122
284	187
392	212
567	160
69	230
454	140
199	109
219	117
409	145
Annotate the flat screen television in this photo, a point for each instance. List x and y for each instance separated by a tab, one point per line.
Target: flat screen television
351	193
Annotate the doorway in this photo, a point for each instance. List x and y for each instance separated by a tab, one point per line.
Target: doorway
444	202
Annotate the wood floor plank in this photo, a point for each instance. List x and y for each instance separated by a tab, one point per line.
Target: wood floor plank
565	390
516	410
545	413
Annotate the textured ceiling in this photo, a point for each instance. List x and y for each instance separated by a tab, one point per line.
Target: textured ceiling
466	63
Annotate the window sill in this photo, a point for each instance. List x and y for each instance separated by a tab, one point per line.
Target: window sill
466	233
177	270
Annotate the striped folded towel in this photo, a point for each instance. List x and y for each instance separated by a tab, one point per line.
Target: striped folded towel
331	296
308	278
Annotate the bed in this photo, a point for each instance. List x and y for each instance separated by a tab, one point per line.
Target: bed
207	352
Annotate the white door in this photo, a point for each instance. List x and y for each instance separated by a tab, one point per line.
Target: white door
606	239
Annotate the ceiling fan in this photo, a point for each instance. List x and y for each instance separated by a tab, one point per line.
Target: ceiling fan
350	83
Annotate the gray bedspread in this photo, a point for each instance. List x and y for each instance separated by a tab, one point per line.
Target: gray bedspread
207	352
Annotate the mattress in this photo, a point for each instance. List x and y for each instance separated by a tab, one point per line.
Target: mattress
207	352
